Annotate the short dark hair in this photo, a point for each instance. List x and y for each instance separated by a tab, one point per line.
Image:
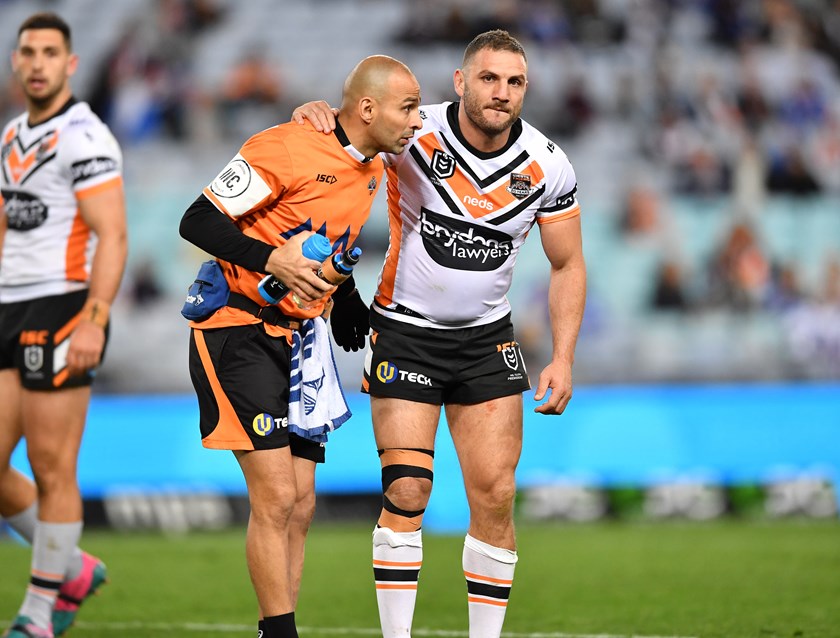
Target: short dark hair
47	21
495	40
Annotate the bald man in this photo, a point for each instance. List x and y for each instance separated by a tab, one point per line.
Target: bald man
285	183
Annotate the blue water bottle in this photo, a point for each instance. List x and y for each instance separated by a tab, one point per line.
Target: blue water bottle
317	247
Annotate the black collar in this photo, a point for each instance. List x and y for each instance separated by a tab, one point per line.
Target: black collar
69	103
342	138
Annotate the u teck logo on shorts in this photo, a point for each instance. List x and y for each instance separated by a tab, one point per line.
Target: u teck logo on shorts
386	372
263	424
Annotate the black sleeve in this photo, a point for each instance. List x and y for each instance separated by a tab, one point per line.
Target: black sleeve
211	230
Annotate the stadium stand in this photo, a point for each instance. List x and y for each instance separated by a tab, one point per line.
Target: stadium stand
697	101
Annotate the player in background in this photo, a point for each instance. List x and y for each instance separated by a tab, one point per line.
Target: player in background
63	255
461	201
285	182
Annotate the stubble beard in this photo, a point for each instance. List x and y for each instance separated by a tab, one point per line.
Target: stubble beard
474	111
45	101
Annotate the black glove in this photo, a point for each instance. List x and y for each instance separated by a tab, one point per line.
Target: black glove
350	317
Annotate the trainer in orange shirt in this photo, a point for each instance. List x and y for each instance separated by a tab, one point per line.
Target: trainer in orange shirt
285	183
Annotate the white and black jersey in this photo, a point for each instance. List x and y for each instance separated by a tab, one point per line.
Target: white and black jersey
46	170
458	217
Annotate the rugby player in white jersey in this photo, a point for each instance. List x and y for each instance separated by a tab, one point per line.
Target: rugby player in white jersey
63	255
461	201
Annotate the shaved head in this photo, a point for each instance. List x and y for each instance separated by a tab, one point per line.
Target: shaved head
380	107
371	78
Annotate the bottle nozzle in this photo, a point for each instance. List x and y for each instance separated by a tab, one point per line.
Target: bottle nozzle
351	257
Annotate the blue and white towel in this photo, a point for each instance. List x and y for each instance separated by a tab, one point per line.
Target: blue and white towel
316	401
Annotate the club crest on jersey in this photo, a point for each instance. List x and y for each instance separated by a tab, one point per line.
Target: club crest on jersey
42	151
372	185
520	185
443	165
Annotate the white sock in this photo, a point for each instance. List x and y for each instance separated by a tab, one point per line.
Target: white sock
24	524
397	557
489	574
52	548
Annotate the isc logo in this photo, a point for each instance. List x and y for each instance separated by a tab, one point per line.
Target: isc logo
329	179
33	338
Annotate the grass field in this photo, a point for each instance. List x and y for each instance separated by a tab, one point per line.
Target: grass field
719	580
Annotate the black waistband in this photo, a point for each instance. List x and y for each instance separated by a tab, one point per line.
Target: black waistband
269	314
408	312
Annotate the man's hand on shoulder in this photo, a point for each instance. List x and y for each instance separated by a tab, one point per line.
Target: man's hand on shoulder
318	113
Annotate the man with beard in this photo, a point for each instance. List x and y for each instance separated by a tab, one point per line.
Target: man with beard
63	254
461	201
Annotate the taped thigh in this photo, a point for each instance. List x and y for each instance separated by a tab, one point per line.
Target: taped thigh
400	463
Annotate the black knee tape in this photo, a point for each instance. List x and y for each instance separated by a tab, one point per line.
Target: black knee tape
388	506
391	473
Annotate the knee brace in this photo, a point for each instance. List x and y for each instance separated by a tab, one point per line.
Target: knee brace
400	463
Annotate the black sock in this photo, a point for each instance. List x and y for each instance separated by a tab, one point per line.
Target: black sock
260	629
282	626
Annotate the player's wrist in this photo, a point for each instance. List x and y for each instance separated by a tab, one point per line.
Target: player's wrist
345	289
96	311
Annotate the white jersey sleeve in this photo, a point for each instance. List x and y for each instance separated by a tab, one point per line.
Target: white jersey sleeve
89	155
560	198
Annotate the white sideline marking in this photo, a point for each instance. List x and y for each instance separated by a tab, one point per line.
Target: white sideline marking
333	631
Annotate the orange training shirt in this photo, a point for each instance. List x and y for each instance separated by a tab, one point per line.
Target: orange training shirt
284	180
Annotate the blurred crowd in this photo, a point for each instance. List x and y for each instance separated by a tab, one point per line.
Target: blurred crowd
716	99
145	86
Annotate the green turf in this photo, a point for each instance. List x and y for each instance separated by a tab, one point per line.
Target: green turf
719	580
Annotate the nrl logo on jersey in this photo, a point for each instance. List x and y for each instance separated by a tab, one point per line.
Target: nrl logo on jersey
520	185
443	165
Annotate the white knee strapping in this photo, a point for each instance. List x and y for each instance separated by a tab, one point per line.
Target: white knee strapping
499	554
387	536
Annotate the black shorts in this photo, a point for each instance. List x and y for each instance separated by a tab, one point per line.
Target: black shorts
437	366
241	378
34	337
